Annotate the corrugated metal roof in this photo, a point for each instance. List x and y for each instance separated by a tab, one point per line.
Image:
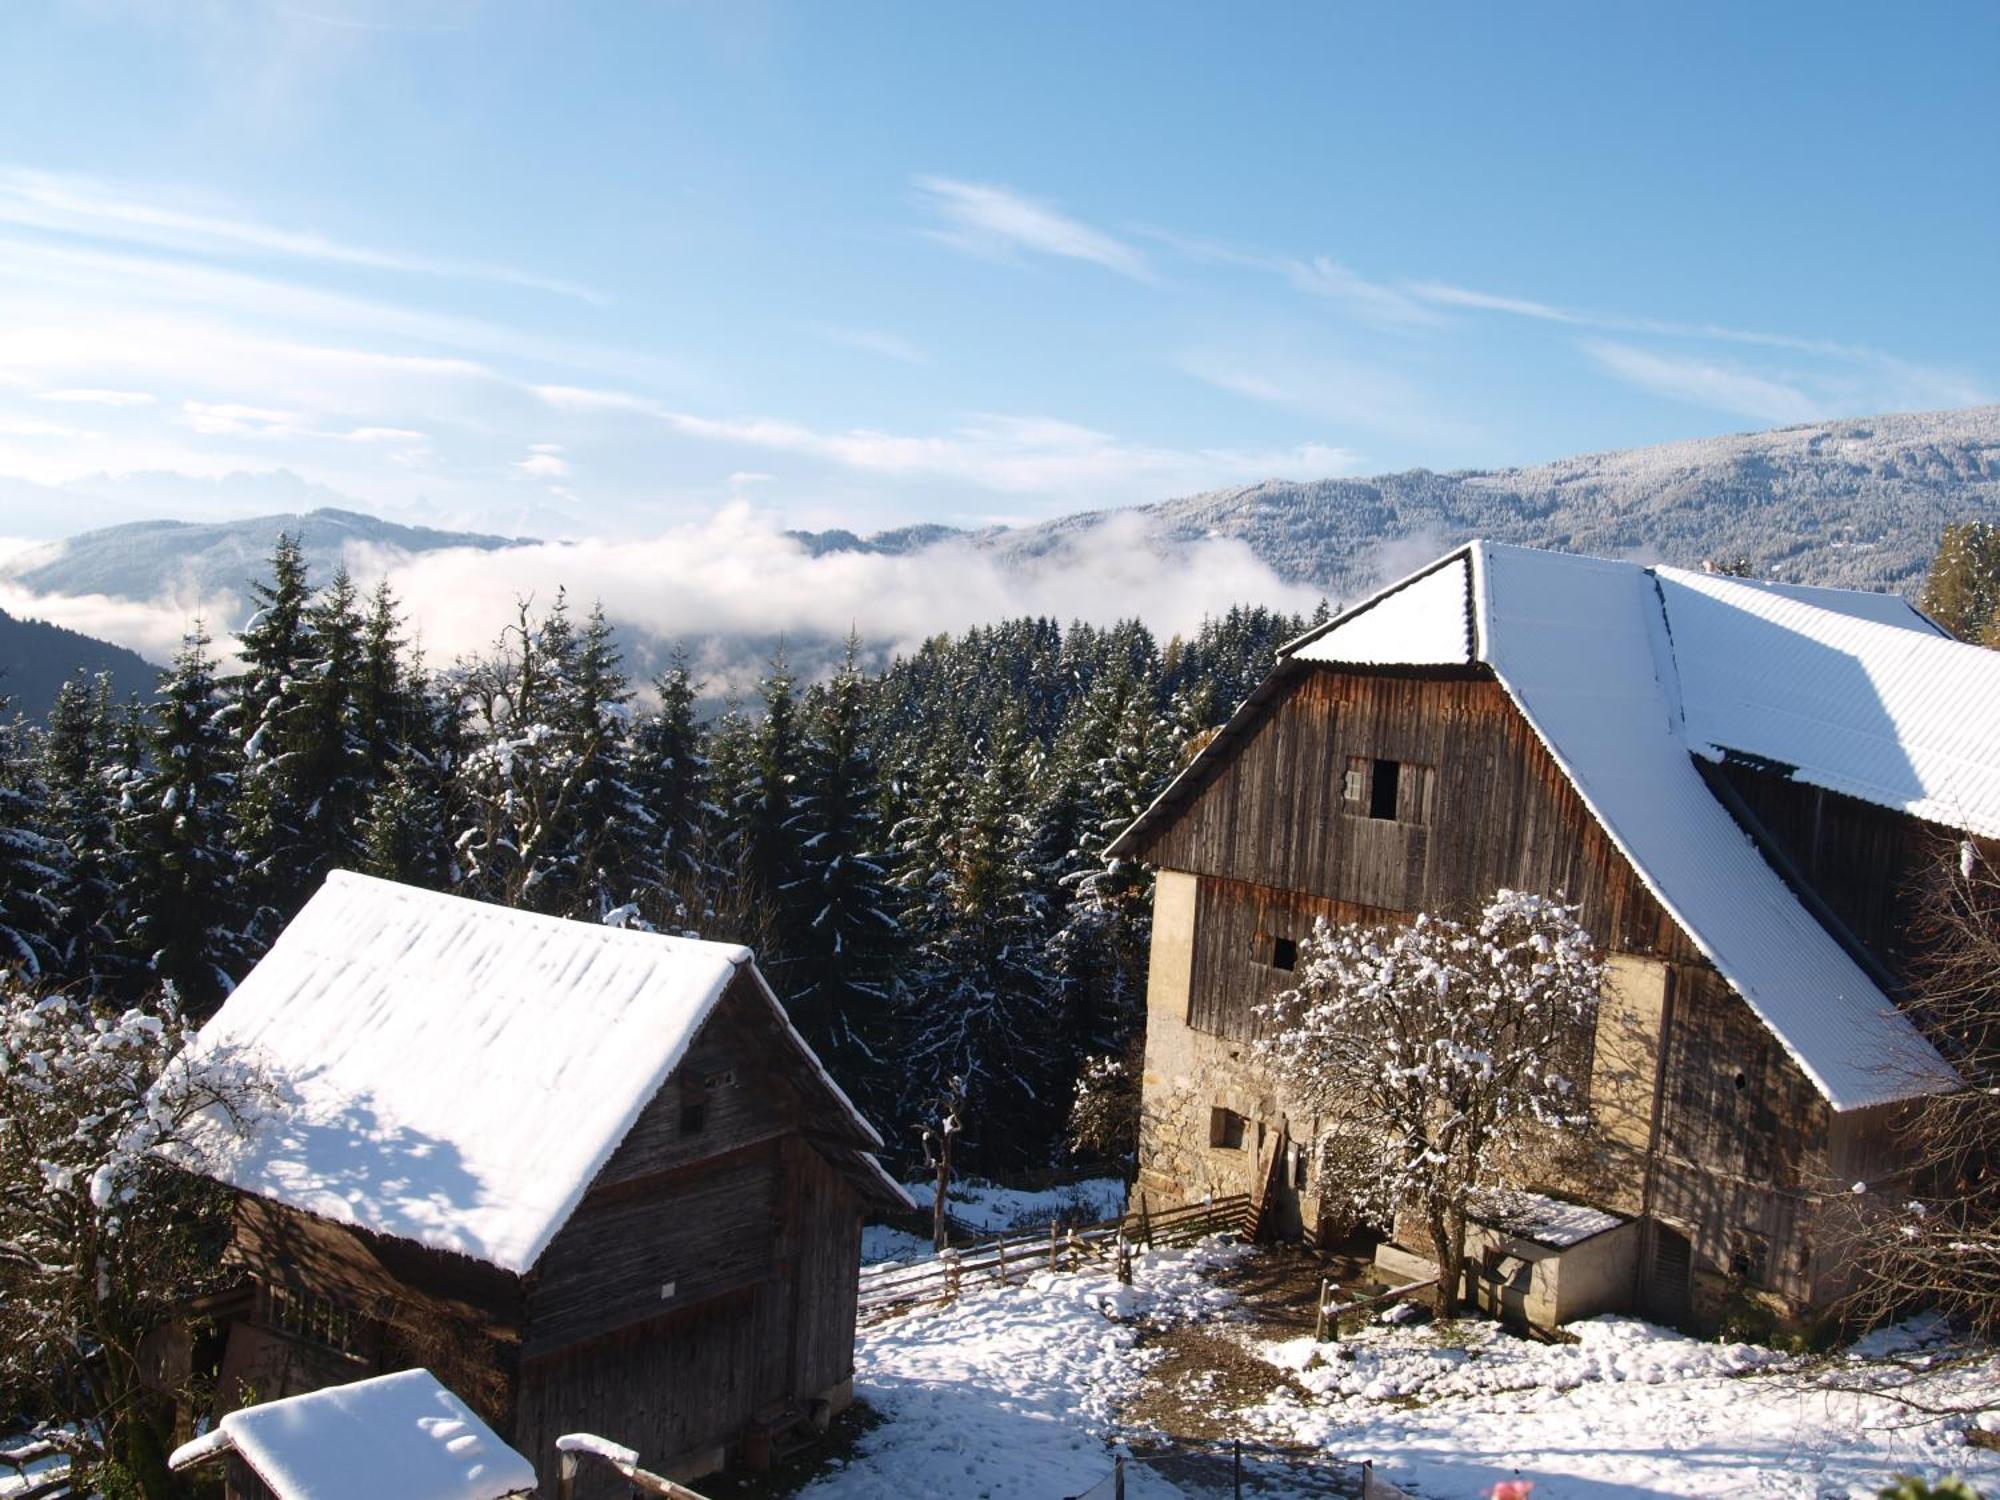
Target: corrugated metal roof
453	1072
1626	671
1582	645
1890	711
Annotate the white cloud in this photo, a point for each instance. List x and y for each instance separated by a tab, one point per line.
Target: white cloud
738	574
386	435
68	204
93	397
1459	296
153	628
987	219
543	466
31	427
231	418
1703	382
1006	454
1370	301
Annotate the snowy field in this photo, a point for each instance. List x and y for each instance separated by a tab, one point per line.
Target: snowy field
1016	1392
992	1210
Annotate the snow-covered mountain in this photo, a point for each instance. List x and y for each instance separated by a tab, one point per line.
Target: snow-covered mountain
207	561
1858	503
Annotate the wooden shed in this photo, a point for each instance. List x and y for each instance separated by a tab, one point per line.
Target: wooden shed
1733	780
590	1177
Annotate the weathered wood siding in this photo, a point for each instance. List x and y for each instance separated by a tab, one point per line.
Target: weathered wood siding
1484	805
1743	1136
1864	861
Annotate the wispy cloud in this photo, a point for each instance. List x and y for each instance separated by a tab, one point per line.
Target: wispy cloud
1704	382
67	204
86	396
1000	453
544	461
874	341
1446	295
985	219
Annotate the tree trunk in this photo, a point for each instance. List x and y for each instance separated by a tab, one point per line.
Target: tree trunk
1448	1250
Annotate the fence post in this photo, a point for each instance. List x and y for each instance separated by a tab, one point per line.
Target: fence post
1118	1477
1124	1259
1367	1478
1052	1244
565	1476
1237	1467
1145	1222
950	1259
1319	1318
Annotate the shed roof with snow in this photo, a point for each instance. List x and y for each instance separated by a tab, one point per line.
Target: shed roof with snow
1628	673
456	1073
403	1435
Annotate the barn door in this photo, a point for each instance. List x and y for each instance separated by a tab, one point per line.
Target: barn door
1669	1274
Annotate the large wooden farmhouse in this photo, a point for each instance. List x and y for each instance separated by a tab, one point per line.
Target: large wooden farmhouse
1735	780
591	1178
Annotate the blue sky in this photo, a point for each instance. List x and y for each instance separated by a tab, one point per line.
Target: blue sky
606	268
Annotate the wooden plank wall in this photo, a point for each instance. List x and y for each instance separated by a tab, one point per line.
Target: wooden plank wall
1743	1139
1866	862
1497	809
826	1274
685	1386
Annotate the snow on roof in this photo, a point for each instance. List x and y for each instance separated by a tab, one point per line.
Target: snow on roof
452	1072
1623	670
1889	710
403	1435
1547	1221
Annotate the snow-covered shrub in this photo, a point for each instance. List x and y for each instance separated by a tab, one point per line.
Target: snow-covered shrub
1426	1051
100	1238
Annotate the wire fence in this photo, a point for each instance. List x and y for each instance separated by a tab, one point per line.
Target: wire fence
1236	1467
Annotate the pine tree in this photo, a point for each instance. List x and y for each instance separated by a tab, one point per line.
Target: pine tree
770	813
82	772
842	976
613	827
188	924
269	712
1962	590
978	993
29	861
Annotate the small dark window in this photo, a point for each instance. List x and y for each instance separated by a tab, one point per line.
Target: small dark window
1301	1169
1225	1128
725	1079
1284	953
1382	789
694	1118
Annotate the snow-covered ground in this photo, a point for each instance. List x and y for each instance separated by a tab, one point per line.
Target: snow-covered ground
992	1210
1016	1391
1011	1392
986	1206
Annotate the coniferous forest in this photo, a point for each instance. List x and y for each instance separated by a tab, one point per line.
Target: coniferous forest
915	853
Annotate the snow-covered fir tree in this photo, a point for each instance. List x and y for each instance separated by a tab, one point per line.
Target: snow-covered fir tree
82	773
29	861
842	975
188	919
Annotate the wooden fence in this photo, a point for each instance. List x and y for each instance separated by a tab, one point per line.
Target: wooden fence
1014	1256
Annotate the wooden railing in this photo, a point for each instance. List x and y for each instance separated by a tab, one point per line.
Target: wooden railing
1014	1256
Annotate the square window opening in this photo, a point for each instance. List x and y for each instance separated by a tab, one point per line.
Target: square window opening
1285	953
1225	1129
694	1118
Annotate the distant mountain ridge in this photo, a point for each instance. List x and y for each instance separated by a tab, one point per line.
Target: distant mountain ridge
1857	503
200	561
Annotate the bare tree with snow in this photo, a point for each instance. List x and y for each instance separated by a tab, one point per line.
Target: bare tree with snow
1425	1052
100	1238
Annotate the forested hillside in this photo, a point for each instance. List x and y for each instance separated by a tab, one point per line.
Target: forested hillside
36	658
1855	503
916	854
